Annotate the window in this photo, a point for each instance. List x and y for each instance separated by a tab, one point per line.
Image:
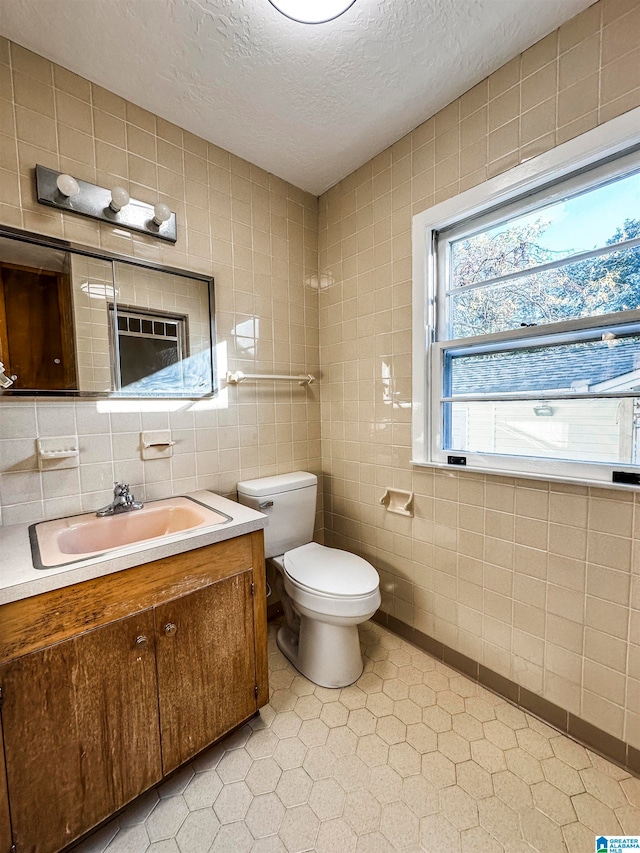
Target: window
527	317
151	350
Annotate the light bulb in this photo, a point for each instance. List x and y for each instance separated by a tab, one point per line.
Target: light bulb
161	213
312	11
67	185
119	199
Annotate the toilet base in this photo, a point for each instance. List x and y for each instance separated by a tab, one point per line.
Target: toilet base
328	655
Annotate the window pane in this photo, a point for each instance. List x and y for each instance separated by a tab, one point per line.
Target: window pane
592	366
595	218
602	430
588	288
146	361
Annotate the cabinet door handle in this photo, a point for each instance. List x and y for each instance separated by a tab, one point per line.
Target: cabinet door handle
141	641
170	629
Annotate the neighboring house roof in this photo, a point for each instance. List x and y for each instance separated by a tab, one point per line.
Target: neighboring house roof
550	369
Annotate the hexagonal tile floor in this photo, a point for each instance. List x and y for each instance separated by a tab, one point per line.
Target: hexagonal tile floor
414	756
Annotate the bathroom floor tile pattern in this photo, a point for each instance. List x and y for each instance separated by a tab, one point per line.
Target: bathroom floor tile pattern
413	757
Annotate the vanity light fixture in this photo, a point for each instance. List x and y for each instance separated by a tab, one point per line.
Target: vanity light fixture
113	206
119	198
67	186
161	213
312	11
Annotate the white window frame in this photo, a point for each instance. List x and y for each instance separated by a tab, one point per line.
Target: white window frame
606	141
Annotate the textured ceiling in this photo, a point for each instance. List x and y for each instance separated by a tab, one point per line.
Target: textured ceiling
308	103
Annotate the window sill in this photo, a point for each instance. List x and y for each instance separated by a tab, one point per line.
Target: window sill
495	471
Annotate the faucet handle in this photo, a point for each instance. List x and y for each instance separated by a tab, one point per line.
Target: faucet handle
120	489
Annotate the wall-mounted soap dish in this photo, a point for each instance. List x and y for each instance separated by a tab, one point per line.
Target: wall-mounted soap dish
395	500
59	452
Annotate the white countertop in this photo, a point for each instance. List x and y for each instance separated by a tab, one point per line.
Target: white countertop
19	579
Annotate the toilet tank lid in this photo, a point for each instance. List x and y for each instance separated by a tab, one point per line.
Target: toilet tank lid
330	570
275	485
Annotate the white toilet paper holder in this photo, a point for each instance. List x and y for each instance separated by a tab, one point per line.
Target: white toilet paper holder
398	501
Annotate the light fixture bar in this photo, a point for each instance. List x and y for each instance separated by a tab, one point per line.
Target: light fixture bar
95	202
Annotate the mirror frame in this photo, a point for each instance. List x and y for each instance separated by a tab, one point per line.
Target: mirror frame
87	251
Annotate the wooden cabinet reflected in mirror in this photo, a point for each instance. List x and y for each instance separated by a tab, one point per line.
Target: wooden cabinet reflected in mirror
37	341
75	322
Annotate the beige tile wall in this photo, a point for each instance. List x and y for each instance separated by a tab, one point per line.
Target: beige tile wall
91	320
255	233
538	581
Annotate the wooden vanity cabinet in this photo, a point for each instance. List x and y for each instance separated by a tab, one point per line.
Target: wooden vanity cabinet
205	695
110	684
5	822
80	721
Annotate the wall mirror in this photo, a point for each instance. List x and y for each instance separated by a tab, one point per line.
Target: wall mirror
78	322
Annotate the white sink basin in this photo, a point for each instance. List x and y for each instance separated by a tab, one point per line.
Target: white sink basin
68	540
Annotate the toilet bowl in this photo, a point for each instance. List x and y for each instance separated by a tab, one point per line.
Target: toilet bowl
325	592
332	592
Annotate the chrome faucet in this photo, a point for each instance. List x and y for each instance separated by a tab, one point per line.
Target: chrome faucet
123	501
5	381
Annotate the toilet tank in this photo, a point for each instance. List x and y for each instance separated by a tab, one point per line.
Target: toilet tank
290	502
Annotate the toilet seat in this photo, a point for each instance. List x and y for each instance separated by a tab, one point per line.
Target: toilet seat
330	572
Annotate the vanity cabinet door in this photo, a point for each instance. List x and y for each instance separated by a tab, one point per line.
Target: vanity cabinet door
206	666
81	731
5	823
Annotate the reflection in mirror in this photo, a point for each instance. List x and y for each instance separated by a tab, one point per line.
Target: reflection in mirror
75	322
162	334
37	342
92	291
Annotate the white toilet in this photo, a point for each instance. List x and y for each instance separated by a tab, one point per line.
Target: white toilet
326	593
